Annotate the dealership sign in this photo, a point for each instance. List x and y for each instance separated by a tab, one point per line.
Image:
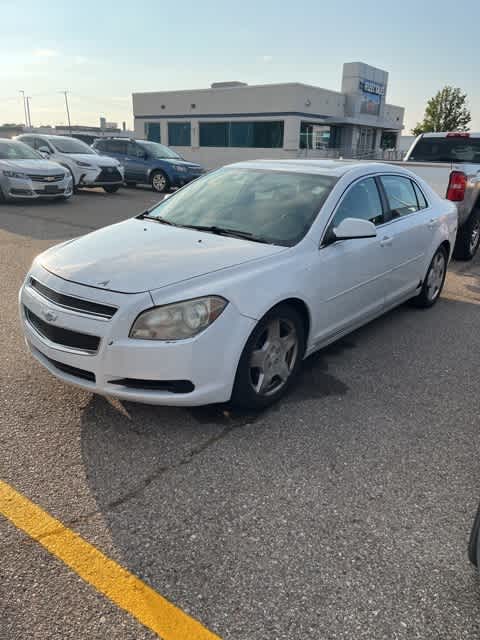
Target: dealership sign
372	87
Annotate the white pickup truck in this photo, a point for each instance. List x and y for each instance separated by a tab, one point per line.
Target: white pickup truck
450	163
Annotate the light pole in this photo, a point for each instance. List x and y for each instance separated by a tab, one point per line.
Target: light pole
27	99
24	107
65	93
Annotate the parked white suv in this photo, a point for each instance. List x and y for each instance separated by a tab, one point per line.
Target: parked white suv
88	168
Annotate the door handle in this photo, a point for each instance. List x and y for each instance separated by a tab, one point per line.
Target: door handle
386	241
432	223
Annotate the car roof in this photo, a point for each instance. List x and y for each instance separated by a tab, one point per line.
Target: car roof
49	136
334	168
452	134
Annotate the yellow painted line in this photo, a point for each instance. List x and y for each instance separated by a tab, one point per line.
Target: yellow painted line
107	576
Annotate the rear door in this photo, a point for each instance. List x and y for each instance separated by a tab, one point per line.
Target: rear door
409	231
351	277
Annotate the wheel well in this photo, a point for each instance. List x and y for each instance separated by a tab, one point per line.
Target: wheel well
302	310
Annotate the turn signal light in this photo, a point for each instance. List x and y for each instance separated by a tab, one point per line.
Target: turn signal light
457	186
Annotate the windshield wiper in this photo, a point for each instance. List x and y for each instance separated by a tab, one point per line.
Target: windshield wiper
145	216
224	231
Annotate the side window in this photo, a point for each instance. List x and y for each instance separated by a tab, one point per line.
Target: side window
400	195
38	143
363	201
28	140
134	150
117	146
100	145
422	203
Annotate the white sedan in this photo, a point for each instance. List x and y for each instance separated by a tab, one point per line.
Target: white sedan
220	291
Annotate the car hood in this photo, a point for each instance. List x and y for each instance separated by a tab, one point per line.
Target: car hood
184	163
94	159
37	166
142	255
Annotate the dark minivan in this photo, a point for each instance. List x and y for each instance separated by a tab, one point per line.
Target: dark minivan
148	162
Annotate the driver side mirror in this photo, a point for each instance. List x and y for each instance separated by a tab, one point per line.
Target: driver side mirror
354	228
45	151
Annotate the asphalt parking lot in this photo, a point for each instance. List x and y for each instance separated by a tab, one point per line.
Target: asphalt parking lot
342	512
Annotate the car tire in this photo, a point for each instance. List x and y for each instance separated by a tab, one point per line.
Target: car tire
473	540
111	188
2	197
277	344
159	181
468	238
75	187
434	280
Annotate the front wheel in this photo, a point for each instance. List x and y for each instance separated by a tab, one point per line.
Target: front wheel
111	188
468	238
434	280
159	181
270	360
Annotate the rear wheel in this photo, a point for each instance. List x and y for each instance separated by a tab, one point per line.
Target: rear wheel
270	360
468	238
159	181
434	280
111	188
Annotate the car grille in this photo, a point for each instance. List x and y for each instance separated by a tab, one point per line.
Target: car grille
74	304
173	386
48	179
109	174
64	337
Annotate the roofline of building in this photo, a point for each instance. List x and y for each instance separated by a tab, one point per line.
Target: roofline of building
236	88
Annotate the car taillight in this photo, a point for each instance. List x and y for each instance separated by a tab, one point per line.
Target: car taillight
458	134
457	186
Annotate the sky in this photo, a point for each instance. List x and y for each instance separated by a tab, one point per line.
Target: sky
103	51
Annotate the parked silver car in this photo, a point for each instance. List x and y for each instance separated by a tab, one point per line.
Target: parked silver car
24	174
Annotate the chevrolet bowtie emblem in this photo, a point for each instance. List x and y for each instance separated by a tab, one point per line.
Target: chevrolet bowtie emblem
50	178
50	316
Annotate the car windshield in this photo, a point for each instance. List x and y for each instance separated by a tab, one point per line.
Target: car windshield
17	151
157	150
70	145
453	149
268	206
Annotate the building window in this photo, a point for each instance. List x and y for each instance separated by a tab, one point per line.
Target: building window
214	134
152	131
257	134
179	134
318	136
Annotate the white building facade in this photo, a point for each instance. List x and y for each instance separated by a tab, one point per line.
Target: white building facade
233	121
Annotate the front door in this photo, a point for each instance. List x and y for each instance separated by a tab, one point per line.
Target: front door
351	275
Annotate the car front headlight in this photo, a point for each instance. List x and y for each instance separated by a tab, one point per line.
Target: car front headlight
15	174
179	320
82	164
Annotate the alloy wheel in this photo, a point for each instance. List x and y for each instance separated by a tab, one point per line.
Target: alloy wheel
159	182
475	237
274	357
436	276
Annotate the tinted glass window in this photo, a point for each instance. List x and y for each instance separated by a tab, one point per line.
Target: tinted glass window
134	150
214	134
38	143
422	202
158	151
446	150
273	206
152	131
362	200
267	135
116	146
101	145
400	195
179	134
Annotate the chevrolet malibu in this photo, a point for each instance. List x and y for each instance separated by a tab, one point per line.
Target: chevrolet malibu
220	291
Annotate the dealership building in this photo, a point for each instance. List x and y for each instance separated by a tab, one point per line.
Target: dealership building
233	121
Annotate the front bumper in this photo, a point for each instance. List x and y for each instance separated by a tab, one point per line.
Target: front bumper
207	362
26	188
181	179
100	176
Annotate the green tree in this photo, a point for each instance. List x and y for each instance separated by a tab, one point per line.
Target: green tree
446	111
